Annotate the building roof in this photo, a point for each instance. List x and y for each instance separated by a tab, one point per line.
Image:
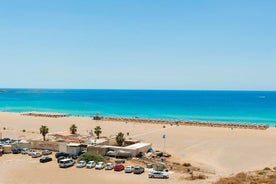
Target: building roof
73	144
137	145
64	134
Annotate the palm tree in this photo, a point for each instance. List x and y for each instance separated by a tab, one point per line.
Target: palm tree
98	131
120	139
73	129
44	130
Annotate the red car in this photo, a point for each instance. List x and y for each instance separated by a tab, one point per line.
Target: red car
119	167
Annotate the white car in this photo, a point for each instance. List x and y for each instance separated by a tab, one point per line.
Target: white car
30	152
81	164
158	174
99	165
25	151
90	164
36	155
129	169
109	166
67	162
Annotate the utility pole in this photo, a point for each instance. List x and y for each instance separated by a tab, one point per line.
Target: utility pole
164	138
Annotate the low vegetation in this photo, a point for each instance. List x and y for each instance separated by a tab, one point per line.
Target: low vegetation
265	176
88	156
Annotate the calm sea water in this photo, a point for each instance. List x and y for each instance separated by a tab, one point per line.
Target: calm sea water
226	106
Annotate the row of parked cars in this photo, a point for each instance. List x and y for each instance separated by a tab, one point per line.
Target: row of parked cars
65	161
110	166
36	154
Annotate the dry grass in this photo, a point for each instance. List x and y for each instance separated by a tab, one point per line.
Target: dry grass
265	176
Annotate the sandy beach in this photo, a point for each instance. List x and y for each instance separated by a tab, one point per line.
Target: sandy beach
221	151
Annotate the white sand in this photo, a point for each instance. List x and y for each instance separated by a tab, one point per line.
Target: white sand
221	150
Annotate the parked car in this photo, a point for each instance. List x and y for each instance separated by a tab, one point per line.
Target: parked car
25	151
75	157
16	151
30	153
45	159
158	174
120	161
46	152
81	164
111	153
138	170
119	167
36	155
67	162
58	154
99	165
109	166
90	164
60	158
129	169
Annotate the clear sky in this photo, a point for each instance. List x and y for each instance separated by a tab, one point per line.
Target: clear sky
143	44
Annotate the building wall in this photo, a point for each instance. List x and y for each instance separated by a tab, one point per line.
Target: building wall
103	149
21	145
73	150
62	147
41	145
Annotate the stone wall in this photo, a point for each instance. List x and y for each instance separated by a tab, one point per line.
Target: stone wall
41	145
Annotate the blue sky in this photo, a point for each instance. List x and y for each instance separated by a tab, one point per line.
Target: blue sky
178	44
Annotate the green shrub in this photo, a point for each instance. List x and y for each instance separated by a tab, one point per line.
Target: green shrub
186	164
267	169
88	156
274	168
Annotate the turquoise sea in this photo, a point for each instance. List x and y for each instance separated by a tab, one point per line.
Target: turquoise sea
219	106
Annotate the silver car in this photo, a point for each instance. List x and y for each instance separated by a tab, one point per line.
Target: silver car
158	174
90	164
109	166
99	165
129	169
67	162
81	164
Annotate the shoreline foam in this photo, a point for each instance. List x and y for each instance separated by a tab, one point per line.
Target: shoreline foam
158	121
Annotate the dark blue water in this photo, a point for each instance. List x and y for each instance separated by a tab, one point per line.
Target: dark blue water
229	106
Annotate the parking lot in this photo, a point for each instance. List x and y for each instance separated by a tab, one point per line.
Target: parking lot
25	169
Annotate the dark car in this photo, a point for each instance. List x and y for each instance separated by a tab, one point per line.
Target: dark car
138	170
119	167
59	154
75	157
45	159
16	151
60	158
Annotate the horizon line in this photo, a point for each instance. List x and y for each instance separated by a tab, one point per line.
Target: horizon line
137	89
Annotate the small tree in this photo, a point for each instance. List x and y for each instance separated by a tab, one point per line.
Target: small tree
98	131
44	130
73	129
91	156
120	139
